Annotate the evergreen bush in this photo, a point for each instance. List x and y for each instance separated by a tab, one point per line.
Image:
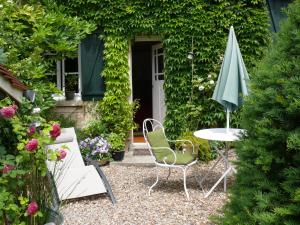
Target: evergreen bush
267	187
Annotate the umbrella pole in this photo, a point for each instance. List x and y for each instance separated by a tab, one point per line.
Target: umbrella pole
227	120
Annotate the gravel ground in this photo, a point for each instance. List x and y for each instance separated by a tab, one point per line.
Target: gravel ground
167	203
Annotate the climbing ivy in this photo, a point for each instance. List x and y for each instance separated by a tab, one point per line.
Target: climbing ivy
207	22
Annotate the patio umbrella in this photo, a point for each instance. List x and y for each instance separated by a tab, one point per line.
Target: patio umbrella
231	85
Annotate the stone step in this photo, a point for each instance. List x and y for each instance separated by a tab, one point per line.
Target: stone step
131	159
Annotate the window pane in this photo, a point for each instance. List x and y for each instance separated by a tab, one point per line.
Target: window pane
160	63
71	65
71	82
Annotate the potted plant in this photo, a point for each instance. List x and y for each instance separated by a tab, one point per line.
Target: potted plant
96	148
117	143
71	86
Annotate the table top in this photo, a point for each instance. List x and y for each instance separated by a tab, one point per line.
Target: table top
220	134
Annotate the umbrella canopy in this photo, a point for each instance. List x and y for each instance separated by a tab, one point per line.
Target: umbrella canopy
232	81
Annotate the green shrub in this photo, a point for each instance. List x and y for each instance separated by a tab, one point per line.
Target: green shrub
200	145
267	187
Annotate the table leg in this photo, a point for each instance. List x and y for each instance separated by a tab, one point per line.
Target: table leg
210	169
216	184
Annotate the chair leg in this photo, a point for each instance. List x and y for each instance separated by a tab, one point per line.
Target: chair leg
150	189
184	183
169	173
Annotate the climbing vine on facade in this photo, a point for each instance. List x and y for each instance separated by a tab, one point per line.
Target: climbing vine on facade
178	22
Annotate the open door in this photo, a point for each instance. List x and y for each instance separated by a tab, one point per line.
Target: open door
158	95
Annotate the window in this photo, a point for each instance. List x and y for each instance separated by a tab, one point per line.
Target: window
66	75
83	73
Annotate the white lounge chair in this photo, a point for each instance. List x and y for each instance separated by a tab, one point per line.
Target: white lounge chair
72	178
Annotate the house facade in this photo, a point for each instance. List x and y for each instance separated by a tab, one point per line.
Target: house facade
159	74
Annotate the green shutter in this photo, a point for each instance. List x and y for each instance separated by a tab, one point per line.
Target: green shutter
91	67
276	12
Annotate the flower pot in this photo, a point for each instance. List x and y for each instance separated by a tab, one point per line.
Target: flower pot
69	95
103	162
118	155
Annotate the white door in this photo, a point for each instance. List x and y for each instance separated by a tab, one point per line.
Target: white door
158	95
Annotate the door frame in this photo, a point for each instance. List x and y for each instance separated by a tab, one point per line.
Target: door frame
131	42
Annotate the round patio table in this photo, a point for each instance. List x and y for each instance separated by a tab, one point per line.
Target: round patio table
224	135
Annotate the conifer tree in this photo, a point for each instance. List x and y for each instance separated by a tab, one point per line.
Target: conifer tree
267	187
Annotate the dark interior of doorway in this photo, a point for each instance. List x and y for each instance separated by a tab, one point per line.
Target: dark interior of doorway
142	81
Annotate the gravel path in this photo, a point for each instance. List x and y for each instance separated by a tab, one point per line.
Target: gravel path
167	203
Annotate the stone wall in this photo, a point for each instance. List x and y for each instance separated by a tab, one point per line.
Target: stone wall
79	111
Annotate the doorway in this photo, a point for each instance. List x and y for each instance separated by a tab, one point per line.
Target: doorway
145	63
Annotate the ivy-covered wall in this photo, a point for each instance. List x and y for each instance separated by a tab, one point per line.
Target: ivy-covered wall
207	22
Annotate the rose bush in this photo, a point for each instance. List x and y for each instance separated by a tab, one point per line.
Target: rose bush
25	194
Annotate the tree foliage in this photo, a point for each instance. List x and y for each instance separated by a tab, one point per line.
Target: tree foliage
33	36
207	22
267	189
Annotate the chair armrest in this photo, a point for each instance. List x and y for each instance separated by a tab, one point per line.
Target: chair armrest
171	151
185	142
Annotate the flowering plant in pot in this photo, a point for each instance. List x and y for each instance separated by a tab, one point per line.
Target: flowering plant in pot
96	148
25	194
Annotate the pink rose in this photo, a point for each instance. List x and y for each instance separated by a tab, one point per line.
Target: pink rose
7	112
61	154
15	107
55	132
7	168
31	131
32	145
32	208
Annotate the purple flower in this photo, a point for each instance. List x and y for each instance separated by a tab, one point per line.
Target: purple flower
96	145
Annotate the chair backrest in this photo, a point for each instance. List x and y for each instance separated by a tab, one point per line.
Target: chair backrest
156	139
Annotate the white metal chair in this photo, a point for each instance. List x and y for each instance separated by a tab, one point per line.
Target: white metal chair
164	155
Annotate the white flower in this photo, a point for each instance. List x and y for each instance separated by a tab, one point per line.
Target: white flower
201	88
209	76
211	82
1	6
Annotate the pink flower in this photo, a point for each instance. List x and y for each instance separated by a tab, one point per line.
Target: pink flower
31	131
32	208
15	107
7	112
7	168
32	145
55	132
61	154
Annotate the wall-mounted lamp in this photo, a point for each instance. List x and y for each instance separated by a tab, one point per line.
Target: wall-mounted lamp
190	55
